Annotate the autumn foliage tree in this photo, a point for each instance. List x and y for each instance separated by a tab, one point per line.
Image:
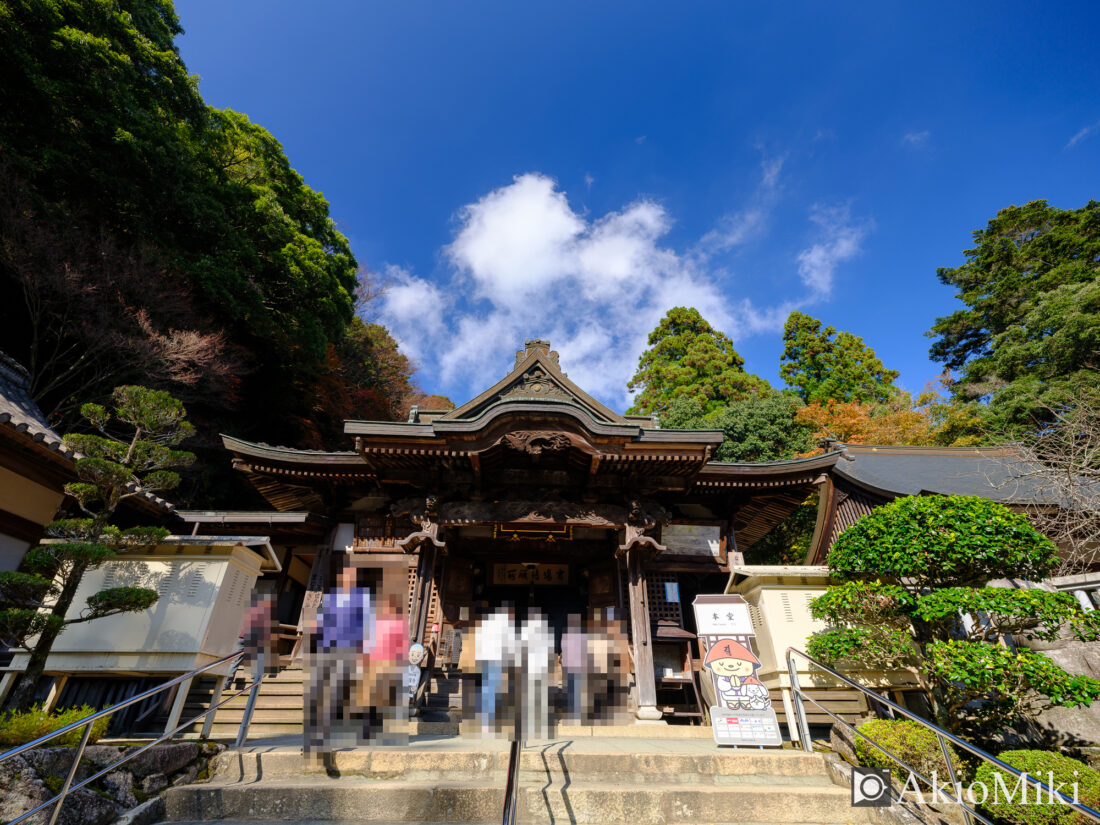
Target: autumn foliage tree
931	419
131	453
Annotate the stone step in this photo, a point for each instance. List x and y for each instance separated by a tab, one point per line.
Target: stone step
584	803
551	761
223	731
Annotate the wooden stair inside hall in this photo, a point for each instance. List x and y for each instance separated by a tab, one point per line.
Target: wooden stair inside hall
280	705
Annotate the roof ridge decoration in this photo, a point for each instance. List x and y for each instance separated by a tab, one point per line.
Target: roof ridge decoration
536	376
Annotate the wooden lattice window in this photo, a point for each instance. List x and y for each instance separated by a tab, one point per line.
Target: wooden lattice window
659	606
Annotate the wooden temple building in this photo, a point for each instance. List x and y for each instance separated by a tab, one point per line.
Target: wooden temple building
533	494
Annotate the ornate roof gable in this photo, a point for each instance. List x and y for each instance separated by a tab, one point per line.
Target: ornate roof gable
535	377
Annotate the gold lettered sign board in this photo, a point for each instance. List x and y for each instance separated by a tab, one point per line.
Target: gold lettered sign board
542	574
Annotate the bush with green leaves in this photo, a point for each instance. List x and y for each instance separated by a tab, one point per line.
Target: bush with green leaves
131	453
18	727
1044	766
913	594
909	741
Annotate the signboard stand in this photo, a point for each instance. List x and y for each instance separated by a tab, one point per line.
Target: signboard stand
742	713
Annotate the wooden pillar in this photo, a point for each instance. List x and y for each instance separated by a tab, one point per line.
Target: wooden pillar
6	683
426	568
315	589
208	721
55	692
182	689
644	681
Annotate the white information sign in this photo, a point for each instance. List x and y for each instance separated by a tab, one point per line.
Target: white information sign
742	713
672	592
703	540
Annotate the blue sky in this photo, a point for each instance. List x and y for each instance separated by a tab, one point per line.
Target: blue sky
571	170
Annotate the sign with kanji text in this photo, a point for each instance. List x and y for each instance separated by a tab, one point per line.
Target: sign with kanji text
540	574
742	713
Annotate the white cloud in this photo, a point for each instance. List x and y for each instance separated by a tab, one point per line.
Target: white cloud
524	264
1084	133
739	228
410	307
916	139
588	180
841	242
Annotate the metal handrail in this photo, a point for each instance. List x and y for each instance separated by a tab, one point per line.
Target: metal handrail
942	736
515	752
87	722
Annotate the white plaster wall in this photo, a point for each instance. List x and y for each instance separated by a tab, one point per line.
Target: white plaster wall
197	617
12	551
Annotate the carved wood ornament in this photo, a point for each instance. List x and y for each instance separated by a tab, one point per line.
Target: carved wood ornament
536	384
421	511
536	443
643	516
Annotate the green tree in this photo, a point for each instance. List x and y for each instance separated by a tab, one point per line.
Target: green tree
126	198
789	541
912	568
688	357
1029	334
758	428
132	453
821	364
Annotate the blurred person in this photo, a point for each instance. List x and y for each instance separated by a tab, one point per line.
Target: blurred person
599	663
574	668
258	636
386	664
343	635
494	650
537	645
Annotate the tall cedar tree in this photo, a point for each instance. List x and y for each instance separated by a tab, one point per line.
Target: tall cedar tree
1029	335
688	357
900	608
132	454
821	364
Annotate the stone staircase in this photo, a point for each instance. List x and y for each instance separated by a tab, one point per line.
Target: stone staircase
598	782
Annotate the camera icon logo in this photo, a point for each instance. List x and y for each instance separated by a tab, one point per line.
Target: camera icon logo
870	787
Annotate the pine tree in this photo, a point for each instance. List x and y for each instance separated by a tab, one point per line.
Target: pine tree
131	454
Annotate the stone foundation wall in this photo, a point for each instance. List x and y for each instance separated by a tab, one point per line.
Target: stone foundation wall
132	792
1072	727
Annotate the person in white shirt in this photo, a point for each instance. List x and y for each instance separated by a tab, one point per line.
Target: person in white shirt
537	646
494	649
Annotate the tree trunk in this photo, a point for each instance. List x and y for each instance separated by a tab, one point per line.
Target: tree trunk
22	696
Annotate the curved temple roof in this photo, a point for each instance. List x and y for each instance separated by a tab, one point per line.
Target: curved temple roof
996	473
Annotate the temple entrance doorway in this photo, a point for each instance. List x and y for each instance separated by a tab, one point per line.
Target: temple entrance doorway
562	579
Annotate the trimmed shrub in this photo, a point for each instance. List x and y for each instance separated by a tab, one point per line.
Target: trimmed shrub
1040	764
942	541
910	741
19	727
